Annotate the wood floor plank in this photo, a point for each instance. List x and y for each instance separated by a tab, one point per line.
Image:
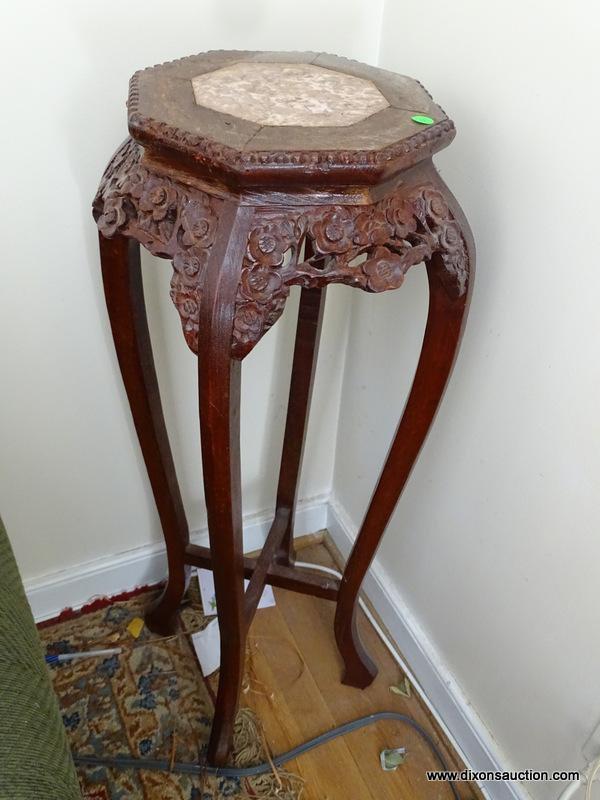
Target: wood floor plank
294	671
328	555
346	703
378	693
330	771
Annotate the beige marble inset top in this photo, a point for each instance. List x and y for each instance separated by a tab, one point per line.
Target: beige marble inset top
288	94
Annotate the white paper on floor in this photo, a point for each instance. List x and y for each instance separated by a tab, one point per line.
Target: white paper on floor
207	644
207	592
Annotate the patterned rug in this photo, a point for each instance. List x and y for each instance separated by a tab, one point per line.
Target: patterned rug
151	701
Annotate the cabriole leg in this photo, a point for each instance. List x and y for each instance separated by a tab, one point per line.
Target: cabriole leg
219	393
121	273
446	317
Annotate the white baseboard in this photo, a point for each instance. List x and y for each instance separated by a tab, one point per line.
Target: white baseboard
77	585
436	685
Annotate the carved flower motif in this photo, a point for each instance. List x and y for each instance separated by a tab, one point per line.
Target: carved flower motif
260	283
268	243
333	232
186	299
132	182
248	323
113	216
189	268
430	205
188	308
457	270
435	206
450	238
372	228
158	199
384	270
190	264
400	216
198	223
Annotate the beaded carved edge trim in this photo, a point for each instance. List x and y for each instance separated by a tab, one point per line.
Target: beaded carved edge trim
204	147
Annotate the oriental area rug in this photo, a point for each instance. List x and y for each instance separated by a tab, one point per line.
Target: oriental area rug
150	701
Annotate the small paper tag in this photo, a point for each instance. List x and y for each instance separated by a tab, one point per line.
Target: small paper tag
207	593
207	644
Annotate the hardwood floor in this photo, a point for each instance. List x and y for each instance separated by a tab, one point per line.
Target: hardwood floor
294	678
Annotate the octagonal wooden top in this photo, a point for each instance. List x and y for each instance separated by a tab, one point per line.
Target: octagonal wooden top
277	119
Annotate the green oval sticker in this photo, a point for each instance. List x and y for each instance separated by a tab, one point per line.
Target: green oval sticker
422	119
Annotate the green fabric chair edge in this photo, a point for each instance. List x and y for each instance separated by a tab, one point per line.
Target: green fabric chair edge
35	758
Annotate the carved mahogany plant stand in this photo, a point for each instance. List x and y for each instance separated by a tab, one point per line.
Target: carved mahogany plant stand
254	172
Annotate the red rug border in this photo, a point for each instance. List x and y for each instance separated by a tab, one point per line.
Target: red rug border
95	605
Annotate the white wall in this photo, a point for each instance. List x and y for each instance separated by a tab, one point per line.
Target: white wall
495	543
72	481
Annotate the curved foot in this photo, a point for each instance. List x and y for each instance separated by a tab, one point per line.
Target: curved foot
162	617
359	668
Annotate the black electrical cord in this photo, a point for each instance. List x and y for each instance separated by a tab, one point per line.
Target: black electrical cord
278	761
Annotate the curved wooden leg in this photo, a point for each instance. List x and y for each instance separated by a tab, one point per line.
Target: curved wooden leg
219	392
308	332
446	317
122	276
